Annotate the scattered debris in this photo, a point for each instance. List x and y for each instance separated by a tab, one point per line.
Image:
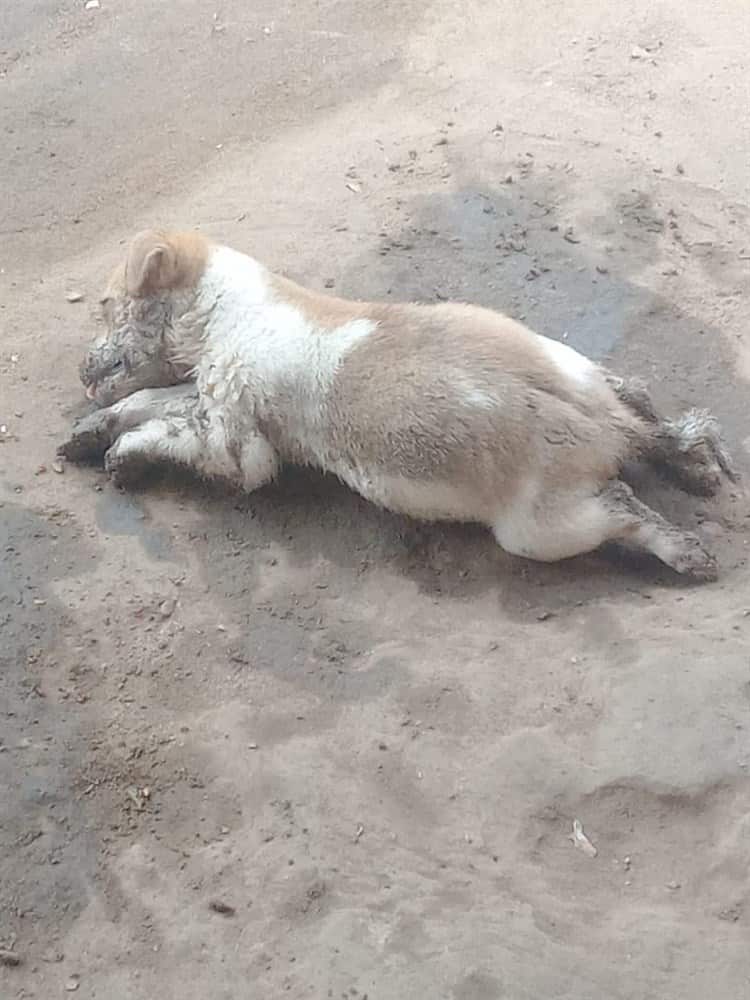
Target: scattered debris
224	909
10	958
498	129
58	467
525	164
674	885
75	296
138	796
638	52
356	188
92	5
580	840
515	242
358	834
72	984
166	608
639	209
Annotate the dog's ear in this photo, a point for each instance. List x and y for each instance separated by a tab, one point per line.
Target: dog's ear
158	261
150	264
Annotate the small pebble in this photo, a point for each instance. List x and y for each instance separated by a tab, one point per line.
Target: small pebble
219	906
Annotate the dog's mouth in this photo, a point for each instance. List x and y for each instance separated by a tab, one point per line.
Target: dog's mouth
94	379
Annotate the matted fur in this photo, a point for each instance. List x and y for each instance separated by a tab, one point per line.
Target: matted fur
441	411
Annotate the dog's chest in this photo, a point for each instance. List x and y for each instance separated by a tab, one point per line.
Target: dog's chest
279	376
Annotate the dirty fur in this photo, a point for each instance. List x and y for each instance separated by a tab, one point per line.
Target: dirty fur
441	411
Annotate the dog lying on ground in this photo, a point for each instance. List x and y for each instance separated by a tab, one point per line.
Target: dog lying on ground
441	412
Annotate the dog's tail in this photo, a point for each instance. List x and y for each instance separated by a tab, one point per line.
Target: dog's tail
699	432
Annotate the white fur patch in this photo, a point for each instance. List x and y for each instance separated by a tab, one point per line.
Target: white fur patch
479	399
271	346
268	351
234	274
574	523
432	501
568	362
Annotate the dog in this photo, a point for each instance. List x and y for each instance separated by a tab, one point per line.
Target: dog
441	412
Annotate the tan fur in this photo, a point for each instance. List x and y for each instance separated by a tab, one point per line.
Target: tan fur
495	340
158	261
325	312
533	419
496	335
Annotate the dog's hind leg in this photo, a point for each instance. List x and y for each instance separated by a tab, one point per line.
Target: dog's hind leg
576	522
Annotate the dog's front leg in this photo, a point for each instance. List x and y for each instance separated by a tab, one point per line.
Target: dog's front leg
195	440
94	434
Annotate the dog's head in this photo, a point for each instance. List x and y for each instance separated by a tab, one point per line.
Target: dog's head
139	307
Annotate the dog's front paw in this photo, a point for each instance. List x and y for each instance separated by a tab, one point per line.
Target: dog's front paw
89	439
126	466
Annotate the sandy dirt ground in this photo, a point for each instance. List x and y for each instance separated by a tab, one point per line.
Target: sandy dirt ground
287	744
